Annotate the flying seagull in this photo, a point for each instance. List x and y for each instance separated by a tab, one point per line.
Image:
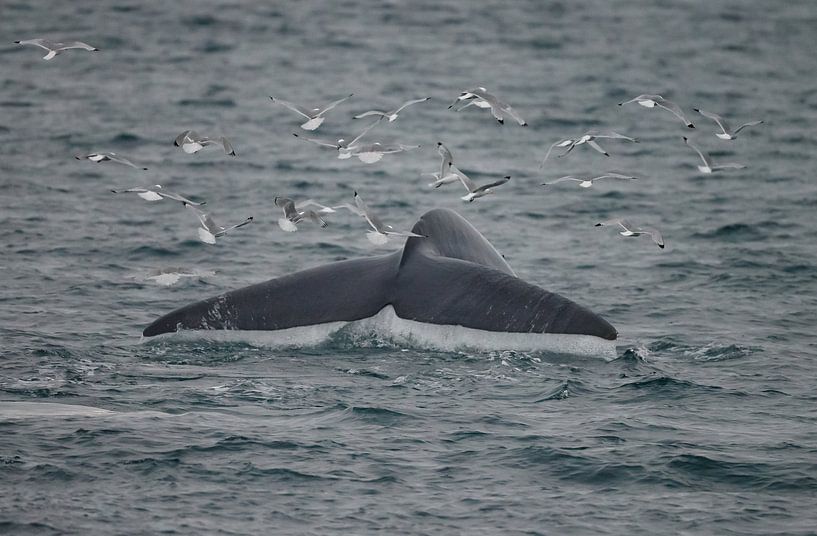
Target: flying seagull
380	232
708	167
192	142
315	116
588	138
294	213
108	157
629	230
343	147
209	230
391	115
651	101
482	99
157	193
587	182
372	152
55	48
443	176
726	132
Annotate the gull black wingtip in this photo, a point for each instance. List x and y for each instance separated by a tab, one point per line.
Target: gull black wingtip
661	246
17	42
144	169
597	225
691	125
697	110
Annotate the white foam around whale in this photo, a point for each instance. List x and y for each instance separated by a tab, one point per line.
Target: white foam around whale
388	326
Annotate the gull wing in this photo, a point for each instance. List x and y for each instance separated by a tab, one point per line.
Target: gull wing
180	198
363	133
122	160
76	44
224	230
674	109
187	135
42	43
500	182
294	107
721	122
316	141
409	103
333	104
705	157
300	205
370	113
609	134
288	205
563	179
744	125
464	179
515	116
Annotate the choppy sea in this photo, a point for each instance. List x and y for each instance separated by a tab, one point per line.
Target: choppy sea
705	422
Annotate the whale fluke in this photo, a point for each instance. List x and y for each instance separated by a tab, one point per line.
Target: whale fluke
453	276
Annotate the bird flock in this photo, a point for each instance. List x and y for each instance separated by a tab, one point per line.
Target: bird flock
296	212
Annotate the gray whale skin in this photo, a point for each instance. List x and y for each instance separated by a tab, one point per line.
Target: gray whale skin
454	276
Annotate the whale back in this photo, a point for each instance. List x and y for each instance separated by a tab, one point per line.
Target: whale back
450	235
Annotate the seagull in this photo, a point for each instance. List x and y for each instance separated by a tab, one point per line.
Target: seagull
373	152
726	132
157	193
343	147
587	182
443	176
474	191
651	101
55	48
171	276
192	142
315	115
380	232
629	230
108	157
708	167
391	115
481	98
588	138
209	230
294	213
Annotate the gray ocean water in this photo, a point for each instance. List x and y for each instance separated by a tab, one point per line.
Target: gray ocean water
704	424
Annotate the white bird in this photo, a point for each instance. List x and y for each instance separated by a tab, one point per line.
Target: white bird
629	230
481	98
726	132
192	142
315	116
54	47
391	115
587	182
209	230
372	152
380	232
108	157
443	176
708	166
171	276
474	191
343	147
157	193
651	101
294	213
588	138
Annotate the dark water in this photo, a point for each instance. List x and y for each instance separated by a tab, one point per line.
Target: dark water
704	424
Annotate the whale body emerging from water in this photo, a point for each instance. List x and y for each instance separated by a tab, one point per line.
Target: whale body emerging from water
449	290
